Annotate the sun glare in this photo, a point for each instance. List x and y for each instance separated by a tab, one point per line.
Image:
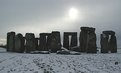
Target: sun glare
73	13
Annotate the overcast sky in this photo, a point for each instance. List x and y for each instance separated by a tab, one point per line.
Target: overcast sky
39	16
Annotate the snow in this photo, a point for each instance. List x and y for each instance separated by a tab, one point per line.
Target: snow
56	63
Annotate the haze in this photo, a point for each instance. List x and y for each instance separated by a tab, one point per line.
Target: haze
39	16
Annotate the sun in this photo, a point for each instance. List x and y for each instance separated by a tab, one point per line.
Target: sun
73	13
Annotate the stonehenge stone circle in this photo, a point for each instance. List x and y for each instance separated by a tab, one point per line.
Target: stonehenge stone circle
51	42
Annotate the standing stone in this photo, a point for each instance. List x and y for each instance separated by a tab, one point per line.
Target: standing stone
66	40
83	39
36	44
48	41
55	41
44	41
104	43
108	43
91	47
8	38
69	44
19	43
73	40
113	44
30	42
87	40
10	41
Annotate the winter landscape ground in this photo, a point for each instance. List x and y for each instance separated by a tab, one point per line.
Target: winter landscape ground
55	63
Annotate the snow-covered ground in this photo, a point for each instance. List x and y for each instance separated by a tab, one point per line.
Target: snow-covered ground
55	63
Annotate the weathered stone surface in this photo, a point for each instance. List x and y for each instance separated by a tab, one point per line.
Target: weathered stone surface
10	41
36	43
76	48
30	42
109	32
104	43
63	52
48	43
55	41
44	41
113	44
108	42
73	41
83	39
87	40
84	28
8	37
91	46
66	40
19	43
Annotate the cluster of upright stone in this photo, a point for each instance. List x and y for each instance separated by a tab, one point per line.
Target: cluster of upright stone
52	41
46	42
15	43
108	42
70	43
87	40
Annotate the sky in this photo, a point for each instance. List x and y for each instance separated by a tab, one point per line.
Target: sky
40	16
